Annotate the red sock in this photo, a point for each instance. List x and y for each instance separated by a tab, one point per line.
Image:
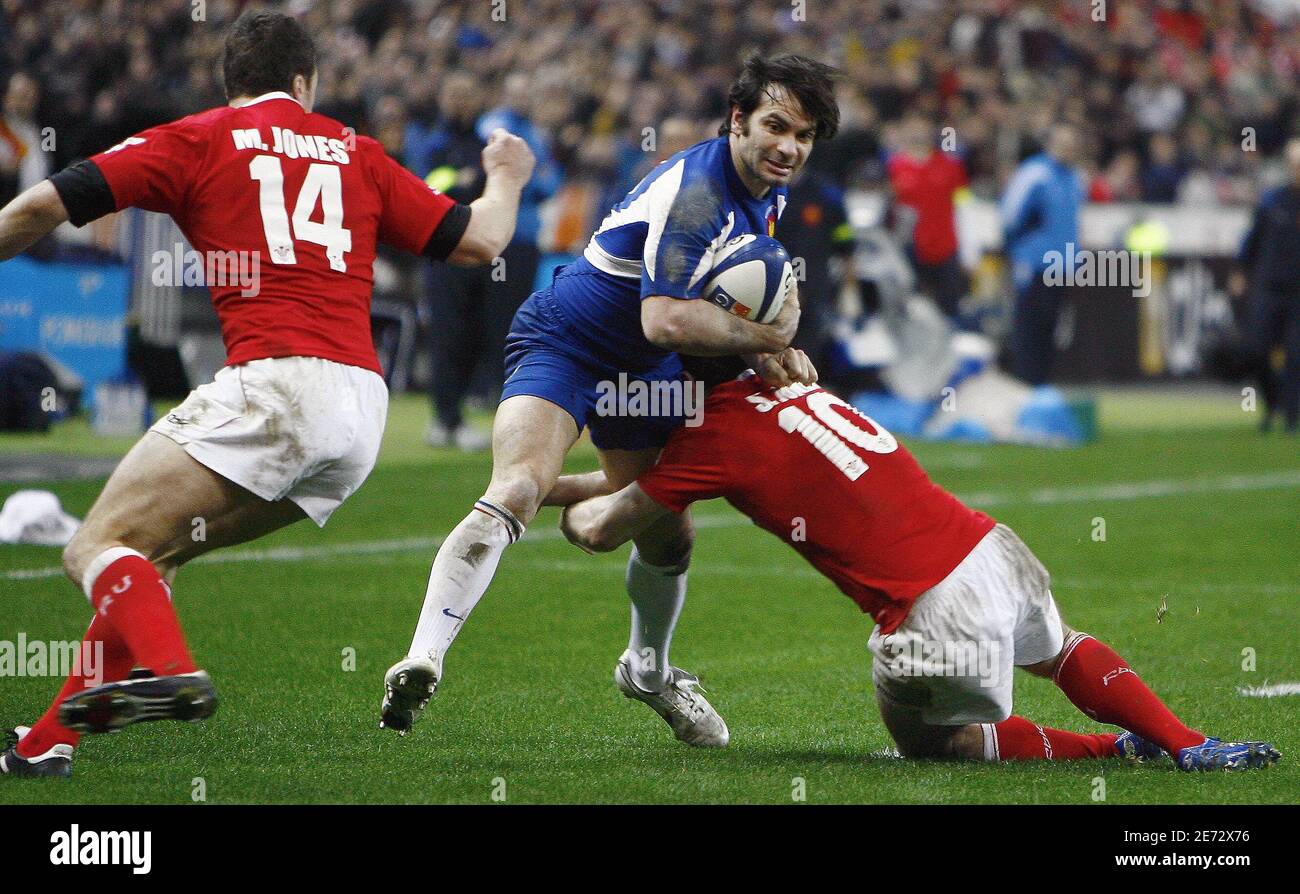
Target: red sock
1019	739
131	594
115	663
1103	686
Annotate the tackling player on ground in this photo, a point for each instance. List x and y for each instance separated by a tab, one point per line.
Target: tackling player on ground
628	307
944	583
292	425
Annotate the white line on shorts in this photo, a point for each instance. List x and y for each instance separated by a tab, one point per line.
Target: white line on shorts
1130	490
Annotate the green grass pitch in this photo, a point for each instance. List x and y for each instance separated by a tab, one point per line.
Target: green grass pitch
528	709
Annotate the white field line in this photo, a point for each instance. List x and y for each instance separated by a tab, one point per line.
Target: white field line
1131	490
1269	691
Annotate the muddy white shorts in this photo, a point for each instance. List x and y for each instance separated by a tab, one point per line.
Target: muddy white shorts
298	428
952	658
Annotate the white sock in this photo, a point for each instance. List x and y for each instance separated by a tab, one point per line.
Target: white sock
461	573
657	595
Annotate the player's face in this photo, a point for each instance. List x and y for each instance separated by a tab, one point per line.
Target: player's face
774	142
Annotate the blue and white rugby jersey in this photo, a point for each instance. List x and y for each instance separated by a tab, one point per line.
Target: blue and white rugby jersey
660	240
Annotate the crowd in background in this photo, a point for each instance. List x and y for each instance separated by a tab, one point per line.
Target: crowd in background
1171	101
1161	89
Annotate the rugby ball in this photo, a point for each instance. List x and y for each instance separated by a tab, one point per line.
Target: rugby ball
751	277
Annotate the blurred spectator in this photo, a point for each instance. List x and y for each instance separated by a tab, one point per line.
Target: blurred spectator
23	163
390	126
521	103
1118	182
928	183
998	72
1270	255
852	157
1040	217
1217	81
1163	171
815	231
1154	101
468	314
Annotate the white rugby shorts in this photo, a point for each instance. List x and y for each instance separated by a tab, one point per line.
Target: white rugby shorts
304	429
952	658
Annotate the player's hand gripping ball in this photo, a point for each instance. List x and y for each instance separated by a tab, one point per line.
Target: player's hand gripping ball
751	277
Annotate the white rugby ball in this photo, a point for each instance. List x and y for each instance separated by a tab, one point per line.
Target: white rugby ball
751	277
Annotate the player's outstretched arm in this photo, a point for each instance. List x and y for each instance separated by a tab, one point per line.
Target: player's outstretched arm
29	217
605	523
508	164
703	329
570	489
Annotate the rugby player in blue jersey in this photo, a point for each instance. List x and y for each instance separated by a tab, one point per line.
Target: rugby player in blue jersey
620	315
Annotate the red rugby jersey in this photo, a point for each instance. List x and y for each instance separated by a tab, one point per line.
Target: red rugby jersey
828	481
298	192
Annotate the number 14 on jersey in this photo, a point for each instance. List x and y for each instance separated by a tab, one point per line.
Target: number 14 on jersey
323	184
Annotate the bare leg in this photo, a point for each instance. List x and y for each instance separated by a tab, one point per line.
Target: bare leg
530	438
917	739
153	501
149	505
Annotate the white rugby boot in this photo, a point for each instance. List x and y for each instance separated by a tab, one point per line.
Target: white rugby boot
408	686
692	718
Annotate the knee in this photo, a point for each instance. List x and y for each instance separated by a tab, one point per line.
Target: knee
582	526
926	748
668	547
945	743
80	552
1047	669
916	749
518	492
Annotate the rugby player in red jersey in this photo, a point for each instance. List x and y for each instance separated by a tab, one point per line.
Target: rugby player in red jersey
958	599
291	426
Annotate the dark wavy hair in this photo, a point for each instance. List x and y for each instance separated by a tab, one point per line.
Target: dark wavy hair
264	52
807	80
